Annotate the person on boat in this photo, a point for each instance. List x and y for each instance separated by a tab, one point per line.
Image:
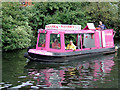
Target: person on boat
43	45
56	45
101	26
71	45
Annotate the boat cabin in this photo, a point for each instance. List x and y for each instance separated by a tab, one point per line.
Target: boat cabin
86	39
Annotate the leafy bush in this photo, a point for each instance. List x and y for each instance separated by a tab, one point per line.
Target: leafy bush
106	12
16	33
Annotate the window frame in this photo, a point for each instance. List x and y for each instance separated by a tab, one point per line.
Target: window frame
53	40
41	41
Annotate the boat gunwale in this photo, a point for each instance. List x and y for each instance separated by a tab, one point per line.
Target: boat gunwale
74	53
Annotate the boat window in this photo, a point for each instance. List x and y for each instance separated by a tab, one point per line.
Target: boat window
78	42
69	37
42	39
88	41
55	41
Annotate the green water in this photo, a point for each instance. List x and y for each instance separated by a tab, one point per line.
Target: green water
99	71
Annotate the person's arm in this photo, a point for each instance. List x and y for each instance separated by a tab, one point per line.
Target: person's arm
73	47
104	27
43	45
67	46
52	45
98	26
59	45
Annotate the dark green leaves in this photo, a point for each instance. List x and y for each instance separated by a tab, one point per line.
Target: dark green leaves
16	32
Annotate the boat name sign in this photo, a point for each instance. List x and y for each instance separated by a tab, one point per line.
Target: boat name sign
63	27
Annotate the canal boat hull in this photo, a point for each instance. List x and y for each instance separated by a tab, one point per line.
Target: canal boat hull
66	56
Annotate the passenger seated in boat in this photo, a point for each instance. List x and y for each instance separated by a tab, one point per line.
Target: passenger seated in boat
43	45
56	45
71	45
101	26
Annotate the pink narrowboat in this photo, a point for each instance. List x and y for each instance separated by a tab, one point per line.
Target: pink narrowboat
87	41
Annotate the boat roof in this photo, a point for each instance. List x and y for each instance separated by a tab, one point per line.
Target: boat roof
68	29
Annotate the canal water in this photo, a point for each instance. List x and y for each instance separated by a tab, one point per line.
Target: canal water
100	71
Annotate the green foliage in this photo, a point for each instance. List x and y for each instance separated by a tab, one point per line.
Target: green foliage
58	13
16	33
106	12
75	13
20	24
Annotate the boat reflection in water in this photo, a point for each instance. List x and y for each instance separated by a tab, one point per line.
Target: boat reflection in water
87	73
